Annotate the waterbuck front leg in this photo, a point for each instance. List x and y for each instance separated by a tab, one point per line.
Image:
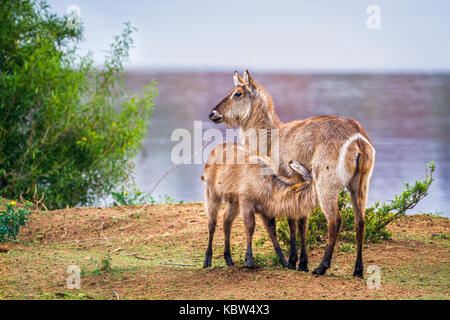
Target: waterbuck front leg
303	229
249	222
271	227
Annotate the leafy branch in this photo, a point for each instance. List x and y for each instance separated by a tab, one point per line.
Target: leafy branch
377	217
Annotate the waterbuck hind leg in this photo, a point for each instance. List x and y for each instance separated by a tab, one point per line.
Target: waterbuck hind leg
212	208
271	227
293	253
229	216
359	203
303	229
330	209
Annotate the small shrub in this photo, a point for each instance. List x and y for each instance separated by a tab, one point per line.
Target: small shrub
377	217
267	260
433	214
166	199
440	236
346	247
11	219
133	196
105	265
260	241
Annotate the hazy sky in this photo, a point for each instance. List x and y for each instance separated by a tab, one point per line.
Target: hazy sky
272	35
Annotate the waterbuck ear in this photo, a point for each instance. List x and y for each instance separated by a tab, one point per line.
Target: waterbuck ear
266	162
301	170
238	81
249	81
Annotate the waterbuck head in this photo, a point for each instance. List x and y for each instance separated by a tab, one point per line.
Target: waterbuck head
236	108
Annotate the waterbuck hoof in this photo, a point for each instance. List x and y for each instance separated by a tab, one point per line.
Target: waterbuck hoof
207	264
358	274
229	262
208	259
292	263
303	268
287	265
290	266
320	270
249	262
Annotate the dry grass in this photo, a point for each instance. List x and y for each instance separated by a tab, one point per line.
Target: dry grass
146	245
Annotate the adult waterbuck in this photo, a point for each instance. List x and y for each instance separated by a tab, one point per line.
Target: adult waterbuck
337	151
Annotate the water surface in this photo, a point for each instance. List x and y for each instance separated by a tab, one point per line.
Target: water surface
406	116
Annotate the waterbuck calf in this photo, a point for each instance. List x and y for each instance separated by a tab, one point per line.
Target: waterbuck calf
248	189
337	151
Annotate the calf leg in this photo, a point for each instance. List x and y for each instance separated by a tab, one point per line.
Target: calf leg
229	216
303	229
270	225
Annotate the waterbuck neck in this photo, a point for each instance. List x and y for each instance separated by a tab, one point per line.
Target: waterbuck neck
262	115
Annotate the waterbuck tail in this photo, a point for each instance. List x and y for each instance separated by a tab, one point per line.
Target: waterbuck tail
356	157
364	157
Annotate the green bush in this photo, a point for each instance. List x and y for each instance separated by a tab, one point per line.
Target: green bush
67	126
11	219
377	217
131	195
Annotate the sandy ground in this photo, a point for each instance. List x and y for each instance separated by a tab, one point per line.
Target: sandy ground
156	252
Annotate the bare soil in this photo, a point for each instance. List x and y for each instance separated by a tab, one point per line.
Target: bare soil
156	252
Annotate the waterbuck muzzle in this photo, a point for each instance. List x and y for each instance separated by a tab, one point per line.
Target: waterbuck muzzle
215	116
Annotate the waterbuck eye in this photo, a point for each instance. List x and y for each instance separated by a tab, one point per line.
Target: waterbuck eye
237	94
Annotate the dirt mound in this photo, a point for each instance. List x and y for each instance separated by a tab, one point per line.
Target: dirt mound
156	252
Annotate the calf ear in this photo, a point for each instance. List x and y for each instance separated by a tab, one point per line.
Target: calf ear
301	170
238	81
265	161
251	85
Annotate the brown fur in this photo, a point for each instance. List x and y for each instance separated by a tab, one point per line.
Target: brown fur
245	189
316	143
